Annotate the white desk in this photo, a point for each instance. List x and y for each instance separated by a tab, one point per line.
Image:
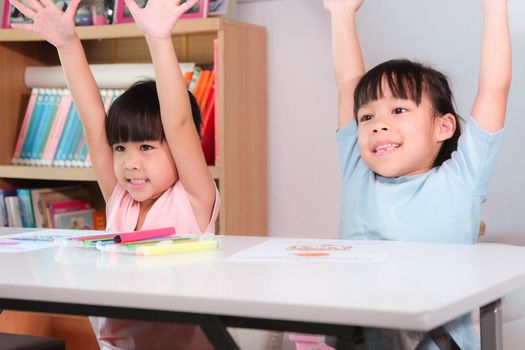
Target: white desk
419	287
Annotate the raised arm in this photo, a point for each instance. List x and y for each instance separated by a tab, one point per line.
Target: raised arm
495	67
347	57
58	28
157	20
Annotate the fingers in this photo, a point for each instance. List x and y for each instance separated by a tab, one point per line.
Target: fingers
23	26
47	3
29	13
35	5
132	6
72	7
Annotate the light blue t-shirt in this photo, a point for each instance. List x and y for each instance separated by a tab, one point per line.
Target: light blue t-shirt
441	205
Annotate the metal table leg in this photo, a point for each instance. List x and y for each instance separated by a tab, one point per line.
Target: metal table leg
218	335
491	326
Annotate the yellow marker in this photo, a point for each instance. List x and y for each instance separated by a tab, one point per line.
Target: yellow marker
175	248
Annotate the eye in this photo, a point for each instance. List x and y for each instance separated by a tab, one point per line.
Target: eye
365	117
146	147
119	148
400	110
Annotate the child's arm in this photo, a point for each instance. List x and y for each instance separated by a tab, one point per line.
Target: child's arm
347	57
58	28
157	20
496	67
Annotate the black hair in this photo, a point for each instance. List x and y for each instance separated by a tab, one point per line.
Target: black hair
135	115
409	80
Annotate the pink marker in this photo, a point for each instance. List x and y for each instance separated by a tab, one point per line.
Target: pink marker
143	235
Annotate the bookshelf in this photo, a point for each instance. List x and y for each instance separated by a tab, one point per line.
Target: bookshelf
241	174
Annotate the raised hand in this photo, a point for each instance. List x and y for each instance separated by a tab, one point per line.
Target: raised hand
158	18
338	5
49	21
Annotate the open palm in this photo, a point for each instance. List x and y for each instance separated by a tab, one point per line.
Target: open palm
49	21
158	18
343	4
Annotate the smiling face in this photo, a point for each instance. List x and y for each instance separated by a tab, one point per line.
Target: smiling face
145	169
406	119
397	136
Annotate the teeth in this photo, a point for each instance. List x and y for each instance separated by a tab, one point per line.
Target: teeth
387	147
137	181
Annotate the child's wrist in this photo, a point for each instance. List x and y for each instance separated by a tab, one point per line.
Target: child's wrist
344	13
68	44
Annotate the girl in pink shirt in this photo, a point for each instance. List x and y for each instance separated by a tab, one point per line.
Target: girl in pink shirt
146	153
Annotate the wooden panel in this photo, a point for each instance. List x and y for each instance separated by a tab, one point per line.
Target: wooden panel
25	323
243	131
190	48
75	330
119	31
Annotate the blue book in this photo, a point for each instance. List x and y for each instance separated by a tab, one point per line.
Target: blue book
52	117
33	126
26	207
43	126
65	139
75	139
78	152
5	192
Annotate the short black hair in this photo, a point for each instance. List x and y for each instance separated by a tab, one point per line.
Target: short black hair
135	115
409	80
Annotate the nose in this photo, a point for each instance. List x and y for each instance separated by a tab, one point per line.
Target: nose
378	128
131	161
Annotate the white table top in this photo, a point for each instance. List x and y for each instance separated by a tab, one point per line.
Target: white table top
419	287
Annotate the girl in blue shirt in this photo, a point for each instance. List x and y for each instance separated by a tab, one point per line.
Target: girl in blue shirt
409	173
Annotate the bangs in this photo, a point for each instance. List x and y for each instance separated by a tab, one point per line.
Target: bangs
403	78
135	116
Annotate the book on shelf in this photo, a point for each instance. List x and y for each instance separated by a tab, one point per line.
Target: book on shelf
47	208
202	85
208	133
14	216
4	193
77	220
26	207
62	194
51	133
66	207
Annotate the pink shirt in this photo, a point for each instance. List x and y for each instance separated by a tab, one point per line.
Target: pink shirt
171	209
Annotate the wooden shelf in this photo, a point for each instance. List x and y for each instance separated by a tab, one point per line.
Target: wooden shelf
125	30
241	105
56	173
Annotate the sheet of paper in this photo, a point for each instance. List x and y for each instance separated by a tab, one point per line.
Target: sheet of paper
38	239
336	250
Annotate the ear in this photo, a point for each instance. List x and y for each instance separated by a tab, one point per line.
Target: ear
445	127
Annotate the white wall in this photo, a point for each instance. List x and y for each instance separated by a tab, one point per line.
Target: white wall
304	182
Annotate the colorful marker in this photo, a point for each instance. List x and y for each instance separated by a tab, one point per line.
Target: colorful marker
175	248
135	236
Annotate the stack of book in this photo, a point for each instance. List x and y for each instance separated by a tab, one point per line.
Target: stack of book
61	207
51	132
201	83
